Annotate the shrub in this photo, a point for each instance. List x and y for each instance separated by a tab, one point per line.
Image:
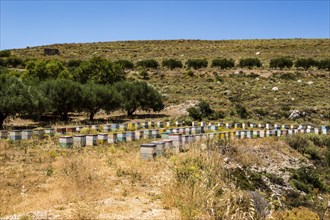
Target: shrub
189	73
306	179
241	111
194	113
281	62
150	63
172	63
5	53
202	110
74	63
223	63
304	144
260	111
306	63
196	63
126	64
143	73
15	62
3	62
218	78
324	64
250	62
288	76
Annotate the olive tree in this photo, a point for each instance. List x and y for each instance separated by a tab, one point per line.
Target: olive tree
64	96
15	98
96	97
138	95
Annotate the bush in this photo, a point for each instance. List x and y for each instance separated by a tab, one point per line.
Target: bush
15	62
126	64
305	144
74	63
3	62
189	72
281	63
250	62
202	110
324	64
306	63
196	63
241	111
172	63
306	179
288	76
223	63
150	63
5	53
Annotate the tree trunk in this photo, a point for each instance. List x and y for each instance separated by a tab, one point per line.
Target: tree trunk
91	116
65	116
130	112
2	119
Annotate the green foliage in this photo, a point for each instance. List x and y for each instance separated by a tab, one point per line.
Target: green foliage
218	78
14	62
5	53
324	64
194	113
100	71
149	63
143	73
73	63
223	63
260	112
196	63
43	70
172	63
64	96
288	76
281	62
241	111
126	64
189	73
138	95
15	98
202	110
304	144
250	62
306	179
247	180
306	63
96	97
3	62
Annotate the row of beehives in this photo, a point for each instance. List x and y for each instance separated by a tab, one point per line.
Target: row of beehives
150	124
123	135
177	141
146	125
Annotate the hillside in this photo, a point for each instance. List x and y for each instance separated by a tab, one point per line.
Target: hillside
184	49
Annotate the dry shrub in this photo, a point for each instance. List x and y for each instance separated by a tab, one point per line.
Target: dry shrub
199	188
300	213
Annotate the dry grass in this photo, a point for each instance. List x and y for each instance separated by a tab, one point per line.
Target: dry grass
79	183
184	49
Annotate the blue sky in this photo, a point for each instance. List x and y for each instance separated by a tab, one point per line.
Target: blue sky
34	23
